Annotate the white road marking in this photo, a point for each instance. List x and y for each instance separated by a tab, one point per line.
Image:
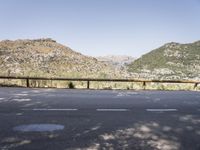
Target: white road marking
100	109
53	109
21	100
112	109
132	93
161	110
122	94
23	94
19	114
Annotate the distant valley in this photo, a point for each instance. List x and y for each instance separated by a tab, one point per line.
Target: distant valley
116	60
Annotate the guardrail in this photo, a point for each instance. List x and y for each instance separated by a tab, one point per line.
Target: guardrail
88	80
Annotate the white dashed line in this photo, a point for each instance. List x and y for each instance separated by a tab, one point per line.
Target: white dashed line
21	100
100	109
161	110
112	109
23	94
46	109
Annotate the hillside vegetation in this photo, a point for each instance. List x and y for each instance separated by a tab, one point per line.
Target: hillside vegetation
46	57
171	61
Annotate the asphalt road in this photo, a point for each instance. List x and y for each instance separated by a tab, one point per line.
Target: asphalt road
62	119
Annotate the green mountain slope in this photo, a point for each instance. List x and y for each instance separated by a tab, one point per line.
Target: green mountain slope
171	61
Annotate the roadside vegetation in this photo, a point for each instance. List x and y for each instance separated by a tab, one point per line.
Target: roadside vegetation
98	85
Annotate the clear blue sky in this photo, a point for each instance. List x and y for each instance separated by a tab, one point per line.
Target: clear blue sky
102	27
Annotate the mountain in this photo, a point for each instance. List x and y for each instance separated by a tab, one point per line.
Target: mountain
171	61
46	57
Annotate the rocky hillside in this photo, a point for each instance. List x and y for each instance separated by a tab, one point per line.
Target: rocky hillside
171	61
46	57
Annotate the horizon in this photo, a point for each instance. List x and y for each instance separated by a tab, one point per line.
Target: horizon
102	28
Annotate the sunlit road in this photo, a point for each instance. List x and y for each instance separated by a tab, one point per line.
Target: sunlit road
59	119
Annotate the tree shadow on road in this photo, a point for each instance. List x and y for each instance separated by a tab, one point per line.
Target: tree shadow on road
183	133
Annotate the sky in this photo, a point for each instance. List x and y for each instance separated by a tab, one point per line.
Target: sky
102	27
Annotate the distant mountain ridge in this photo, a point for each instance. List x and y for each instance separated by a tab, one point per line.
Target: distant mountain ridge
171	61
118	60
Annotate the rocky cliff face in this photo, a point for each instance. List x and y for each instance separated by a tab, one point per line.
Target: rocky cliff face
46	57
171	61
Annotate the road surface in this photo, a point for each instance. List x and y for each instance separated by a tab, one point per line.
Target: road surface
62	119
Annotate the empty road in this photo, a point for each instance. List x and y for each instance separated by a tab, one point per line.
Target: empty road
63	119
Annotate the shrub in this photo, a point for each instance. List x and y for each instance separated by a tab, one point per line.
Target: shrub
71	85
